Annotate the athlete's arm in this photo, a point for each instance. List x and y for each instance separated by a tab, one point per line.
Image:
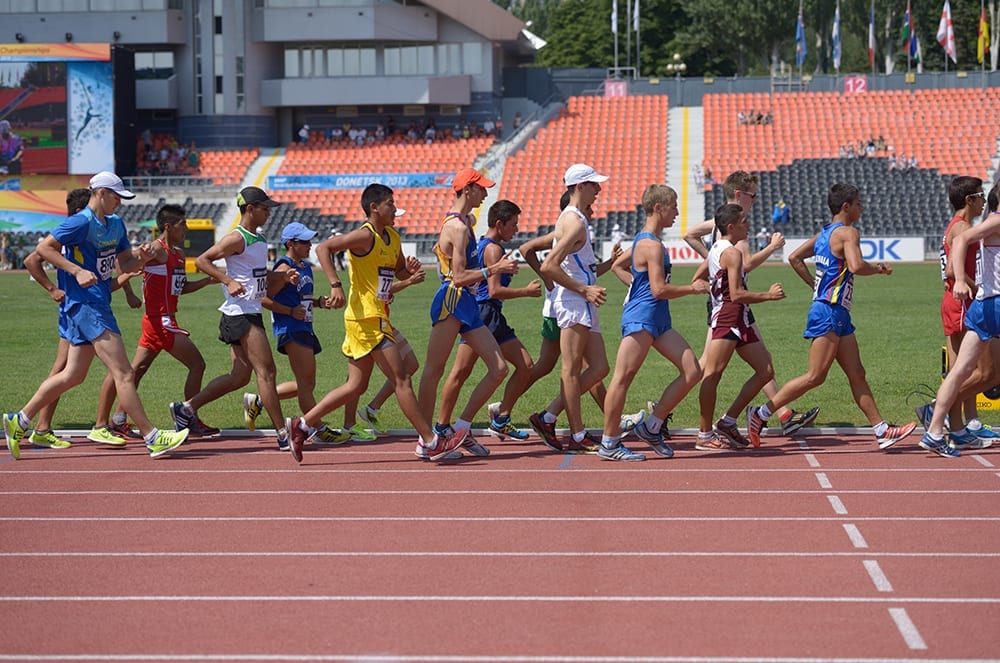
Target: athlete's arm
570	235
51	252
755	260
649	253
732	261
797	260
529	251
230	245
492	255
620	267
33	263
695	237
848	240
455	235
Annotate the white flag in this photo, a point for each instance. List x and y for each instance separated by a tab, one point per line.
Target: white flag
614	17
946	33
635	16
836	38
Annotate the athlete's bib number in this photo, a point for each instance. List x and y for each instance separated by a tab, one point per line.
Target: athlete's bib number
260	283
105	264
178	279
385	277
307	304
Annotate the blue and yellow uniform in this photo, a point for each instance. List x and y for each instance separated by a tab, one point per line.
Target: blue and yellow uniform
286	327
491	308
833	290
94	246
366	316
451	299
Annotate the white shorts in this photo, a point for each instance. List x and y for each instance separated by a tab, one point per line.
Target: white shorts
576	311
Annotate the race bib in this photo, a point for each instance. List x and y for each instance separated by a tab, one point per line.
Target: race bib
307	304
259	283
178	279
385	278
105	263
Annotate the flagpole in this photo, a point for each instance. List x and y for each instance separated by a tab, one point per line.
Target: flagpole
628	33
637	50
614	28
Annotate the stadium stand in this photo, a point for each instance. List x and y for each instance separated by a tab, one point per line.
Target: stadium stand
625	137
226	167
816	125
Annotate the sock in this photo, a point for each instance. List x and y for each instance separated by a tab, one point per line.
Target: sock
501	420
610	442
22	420
727	420
283	433
653	423
786	416
764	412
187	409
880	428
118	418
150	439
462	424
703	435
303	426
548	417
974	424
371	410
440	428
578	437
936	438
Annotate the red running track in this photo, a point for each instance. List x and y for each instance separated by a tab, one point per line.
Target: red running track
821	549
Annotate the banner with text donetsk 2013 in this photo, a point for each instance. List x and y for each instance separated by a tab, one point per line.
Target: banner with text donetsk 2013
874	249
360	181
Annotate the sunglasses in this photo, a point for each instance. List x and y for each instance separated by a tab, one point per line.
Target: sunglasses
753	196
979	194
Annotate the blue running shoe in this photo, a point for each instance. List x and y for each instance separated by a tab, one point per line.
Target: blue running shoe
940	447
985	437
620	452
654	440
962	439
924	414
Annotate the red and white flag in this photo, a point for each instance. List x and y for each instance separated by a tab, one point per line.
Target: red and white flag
871	38
946	33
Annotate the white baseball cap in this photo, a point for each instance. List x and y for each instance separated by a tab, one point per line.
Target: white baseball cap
108	180
579	173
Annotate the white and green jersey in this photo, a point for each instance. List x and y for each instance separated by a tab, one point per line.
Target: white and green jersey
248	268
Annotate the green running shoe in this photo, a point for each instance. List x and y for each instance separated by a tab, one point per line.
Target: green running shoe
14	433
166	441
373	420
327	435
49	440
361	434
105	436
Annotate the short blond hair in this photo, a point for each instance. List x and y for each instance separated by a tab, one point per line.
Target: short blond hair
657	193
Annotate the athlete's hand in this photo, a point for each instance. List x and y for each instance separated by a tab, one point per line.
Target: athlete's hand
961	290
86	278
616	250
291	276
145	252
776	291
596	294
533	289
505	265
133	300
777	240
413	265
336	298
700	287
235	288
417	276
57	295
299	312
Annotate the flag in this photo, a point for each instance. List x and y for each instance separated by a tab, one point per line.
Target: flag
836	38
871	37
800	42
614	17
983	40
909	35
635	16
946	33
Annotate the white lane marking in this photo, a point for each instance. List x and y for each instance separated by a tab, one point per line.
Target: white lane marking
854	534
495	519
811	459
879	578
838	506
982	461
911	636
824	481
487	553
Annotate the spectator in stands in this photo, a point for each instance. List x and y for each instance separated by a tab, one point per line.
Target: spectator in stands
763	238
11	149
782	212
518	121
489	127
304	134
5	252
616	234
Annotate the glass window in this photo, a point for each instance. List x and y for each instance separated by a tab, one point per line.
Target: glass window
291	63
425	60
472	58
390	58
335	62
352	62
367	58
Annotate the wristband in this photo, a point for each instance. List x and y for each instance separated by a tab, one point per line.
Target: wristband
486	274
338	284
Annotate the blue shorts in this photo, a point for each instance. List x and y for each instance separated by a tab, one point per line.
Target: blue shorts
303	338
656	331
983	317
825	318
85	322
458	303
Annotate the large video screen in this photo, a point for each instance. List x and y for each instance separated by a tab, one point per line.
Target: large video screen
58	100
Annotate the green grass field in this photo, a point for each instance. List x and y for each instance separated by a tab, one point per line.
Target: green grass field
899	331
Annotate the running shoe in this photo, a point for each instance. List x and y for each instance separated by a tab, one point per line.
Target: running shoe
894	434
654	440
14	433
732	433
493	409
105	436
545	431
619	452
124	429
296	437
507	429
925	413
200	429
798	421
331	436
962	439
984	437
49	440
713	443
181	418
421	452
445	441
940	447
361	434
472	445
166	441
755	424
251	410
373	421
588	445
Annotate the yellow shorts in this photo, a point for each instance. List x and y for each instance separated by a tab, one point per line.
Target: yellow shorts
363	336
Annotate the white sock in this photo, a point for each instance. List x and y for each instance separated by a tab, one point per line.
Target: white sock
151	438
118	418
578	437
974	424
462	424
653	423
548	417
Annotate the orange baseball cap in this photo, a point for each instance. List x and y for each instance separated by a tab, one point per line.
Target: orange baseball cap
464	178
